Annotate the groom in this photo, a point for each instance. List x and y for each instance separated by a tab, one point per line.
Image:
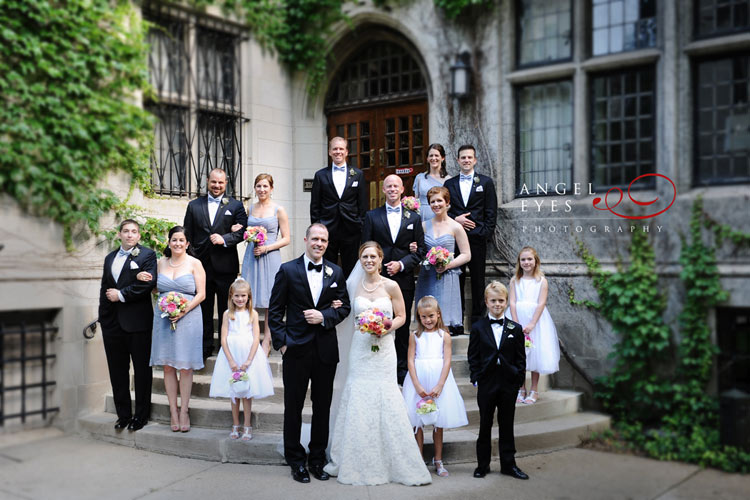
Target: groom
304	290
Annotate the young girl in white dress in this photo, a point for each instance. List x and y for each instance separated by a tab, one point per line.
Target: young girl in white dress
528	306
430	374
240	337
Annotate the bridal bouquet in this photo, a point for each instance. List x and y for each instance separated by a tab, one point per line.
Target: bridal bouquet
438	257
411	203
375	322
172	305
257	235
239	382
427	410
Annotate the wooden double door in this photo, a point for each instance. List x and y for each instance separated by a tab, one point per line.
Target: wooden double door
384	140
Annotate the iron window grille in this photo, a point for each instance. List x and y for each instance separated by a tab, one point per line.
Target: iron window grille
623	127
544	33
721	17
195	71
26	359
722	120
544	136
622	25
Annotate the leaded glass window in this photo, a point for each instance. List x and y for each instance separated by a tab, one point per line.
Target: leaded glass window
723	120
623	126
545	135
621	25
544	31
717	17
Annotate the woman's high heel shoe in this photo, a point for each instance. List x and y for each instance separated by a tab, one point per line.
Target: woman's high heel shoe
174	423
185	427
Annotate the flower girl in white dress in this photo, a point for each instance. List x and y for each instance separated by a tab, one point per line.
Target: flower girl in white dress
528	306
430	376
240	337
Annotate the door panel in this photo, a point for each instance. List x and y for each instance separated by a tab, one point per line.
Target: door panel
382	141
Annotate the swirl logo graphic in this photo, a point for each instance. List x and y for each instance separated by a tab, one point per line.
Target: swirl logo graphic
640	203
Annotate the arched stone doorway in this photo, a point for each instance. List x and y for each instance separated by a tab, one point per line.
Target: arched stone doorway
378	103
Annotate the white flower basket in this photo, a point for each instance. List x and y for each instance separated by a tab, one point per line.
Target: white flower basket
240	387
429	418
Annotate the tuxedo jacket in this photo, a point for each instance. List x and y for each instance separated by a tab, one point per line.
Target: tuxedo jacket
376	228
482	204
291	296
198	229
483	353
342	216
136	314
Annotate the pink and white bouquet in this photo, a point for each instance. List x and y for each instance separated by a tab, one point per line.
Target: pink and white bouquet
239	382
427	410
438	257
256	235
172	305
375	322
527	343
411	203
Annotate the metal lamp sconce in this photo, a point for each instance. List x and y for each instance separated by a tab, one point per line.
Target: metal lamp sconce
461	76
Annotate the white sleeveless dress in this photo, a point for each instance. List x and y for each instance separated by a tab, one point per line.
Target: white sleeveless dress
373	442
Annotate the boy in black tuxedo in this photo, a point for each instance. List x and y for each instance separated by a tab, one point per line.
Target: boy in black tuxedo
474	206
497	364
339	202
126	316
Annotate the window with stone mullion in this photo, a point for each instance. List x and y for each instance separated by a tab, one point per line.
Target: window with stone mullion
622	25
544	31
720	17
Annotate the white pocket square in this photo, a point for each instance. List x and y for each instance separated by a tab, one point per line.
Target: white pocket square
510	336
228	212
410	226
355	184
133	265
334	285
480	189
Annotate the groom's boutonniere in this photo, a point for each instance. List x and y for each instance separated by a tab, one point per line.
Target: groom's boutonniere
352	173
136	251
329	272
407	214
476	179
224	201
511	326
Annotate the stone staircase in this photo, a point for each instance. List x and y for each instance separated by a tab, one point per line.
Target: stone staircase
555	421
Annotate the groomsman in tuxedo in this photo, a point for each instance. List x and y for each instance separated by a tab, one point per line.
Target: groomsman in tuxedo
474	206
497	366
126	316
208	223
339	201
395	228
303	292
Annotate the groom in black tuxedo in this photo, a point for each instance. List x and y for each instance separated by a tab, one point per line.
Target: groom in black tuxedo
339	202
474	206
304	290
497	365
208	223
126	316
394	228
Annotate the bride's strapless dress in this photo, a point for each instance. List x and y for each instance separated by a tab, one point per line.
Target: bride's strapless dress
373	441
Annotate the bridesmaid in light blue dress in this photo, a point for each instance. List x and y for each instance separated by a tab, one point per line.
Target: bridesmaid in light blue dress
435	176
261	263
443	231
179	349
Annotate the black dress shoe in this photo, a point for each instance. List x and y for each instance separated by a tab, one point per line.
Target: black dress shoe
121	423
136	424
299	474
318	473
456	330
514	471
481	471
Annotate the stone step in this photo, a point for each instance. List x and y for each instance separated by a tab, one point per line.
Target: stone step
268	414
214	444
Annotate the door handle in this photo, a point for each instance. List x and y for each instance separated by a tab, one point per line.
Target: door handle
382	158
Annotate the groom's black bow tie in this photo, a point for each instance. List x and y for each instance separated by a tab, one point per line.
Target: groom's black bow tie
497	322
313	267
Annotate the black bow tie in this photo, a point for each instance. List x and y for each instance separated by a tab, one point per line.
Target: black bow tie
497	322
313	267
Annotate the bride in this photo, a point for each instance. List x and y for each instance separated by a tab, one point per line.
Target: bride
373	442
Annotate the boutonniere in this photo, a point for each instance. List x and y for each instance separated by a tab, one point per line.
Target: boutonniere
136	251
510	326
352	173
329	271
407	214
476	179
224	201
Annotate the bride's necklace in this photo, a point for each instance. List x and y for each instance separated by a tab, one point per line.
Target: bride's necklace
169	261
370	290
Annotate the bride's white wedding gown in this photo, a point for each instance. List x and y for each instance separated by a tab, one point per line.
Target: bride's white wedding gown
373	441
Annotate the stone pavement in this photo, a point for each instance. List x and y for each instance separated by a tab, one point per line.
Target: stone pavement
47	464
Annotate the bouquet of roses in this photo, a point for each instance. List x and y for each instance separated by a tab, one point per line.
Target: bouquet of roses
239	382
172	305
375	322
411	203
256	235
427	410
438	257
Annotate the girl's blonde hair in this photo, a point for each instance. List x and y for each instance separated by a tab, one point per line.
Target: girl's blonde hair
537	264
429	302
239	285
